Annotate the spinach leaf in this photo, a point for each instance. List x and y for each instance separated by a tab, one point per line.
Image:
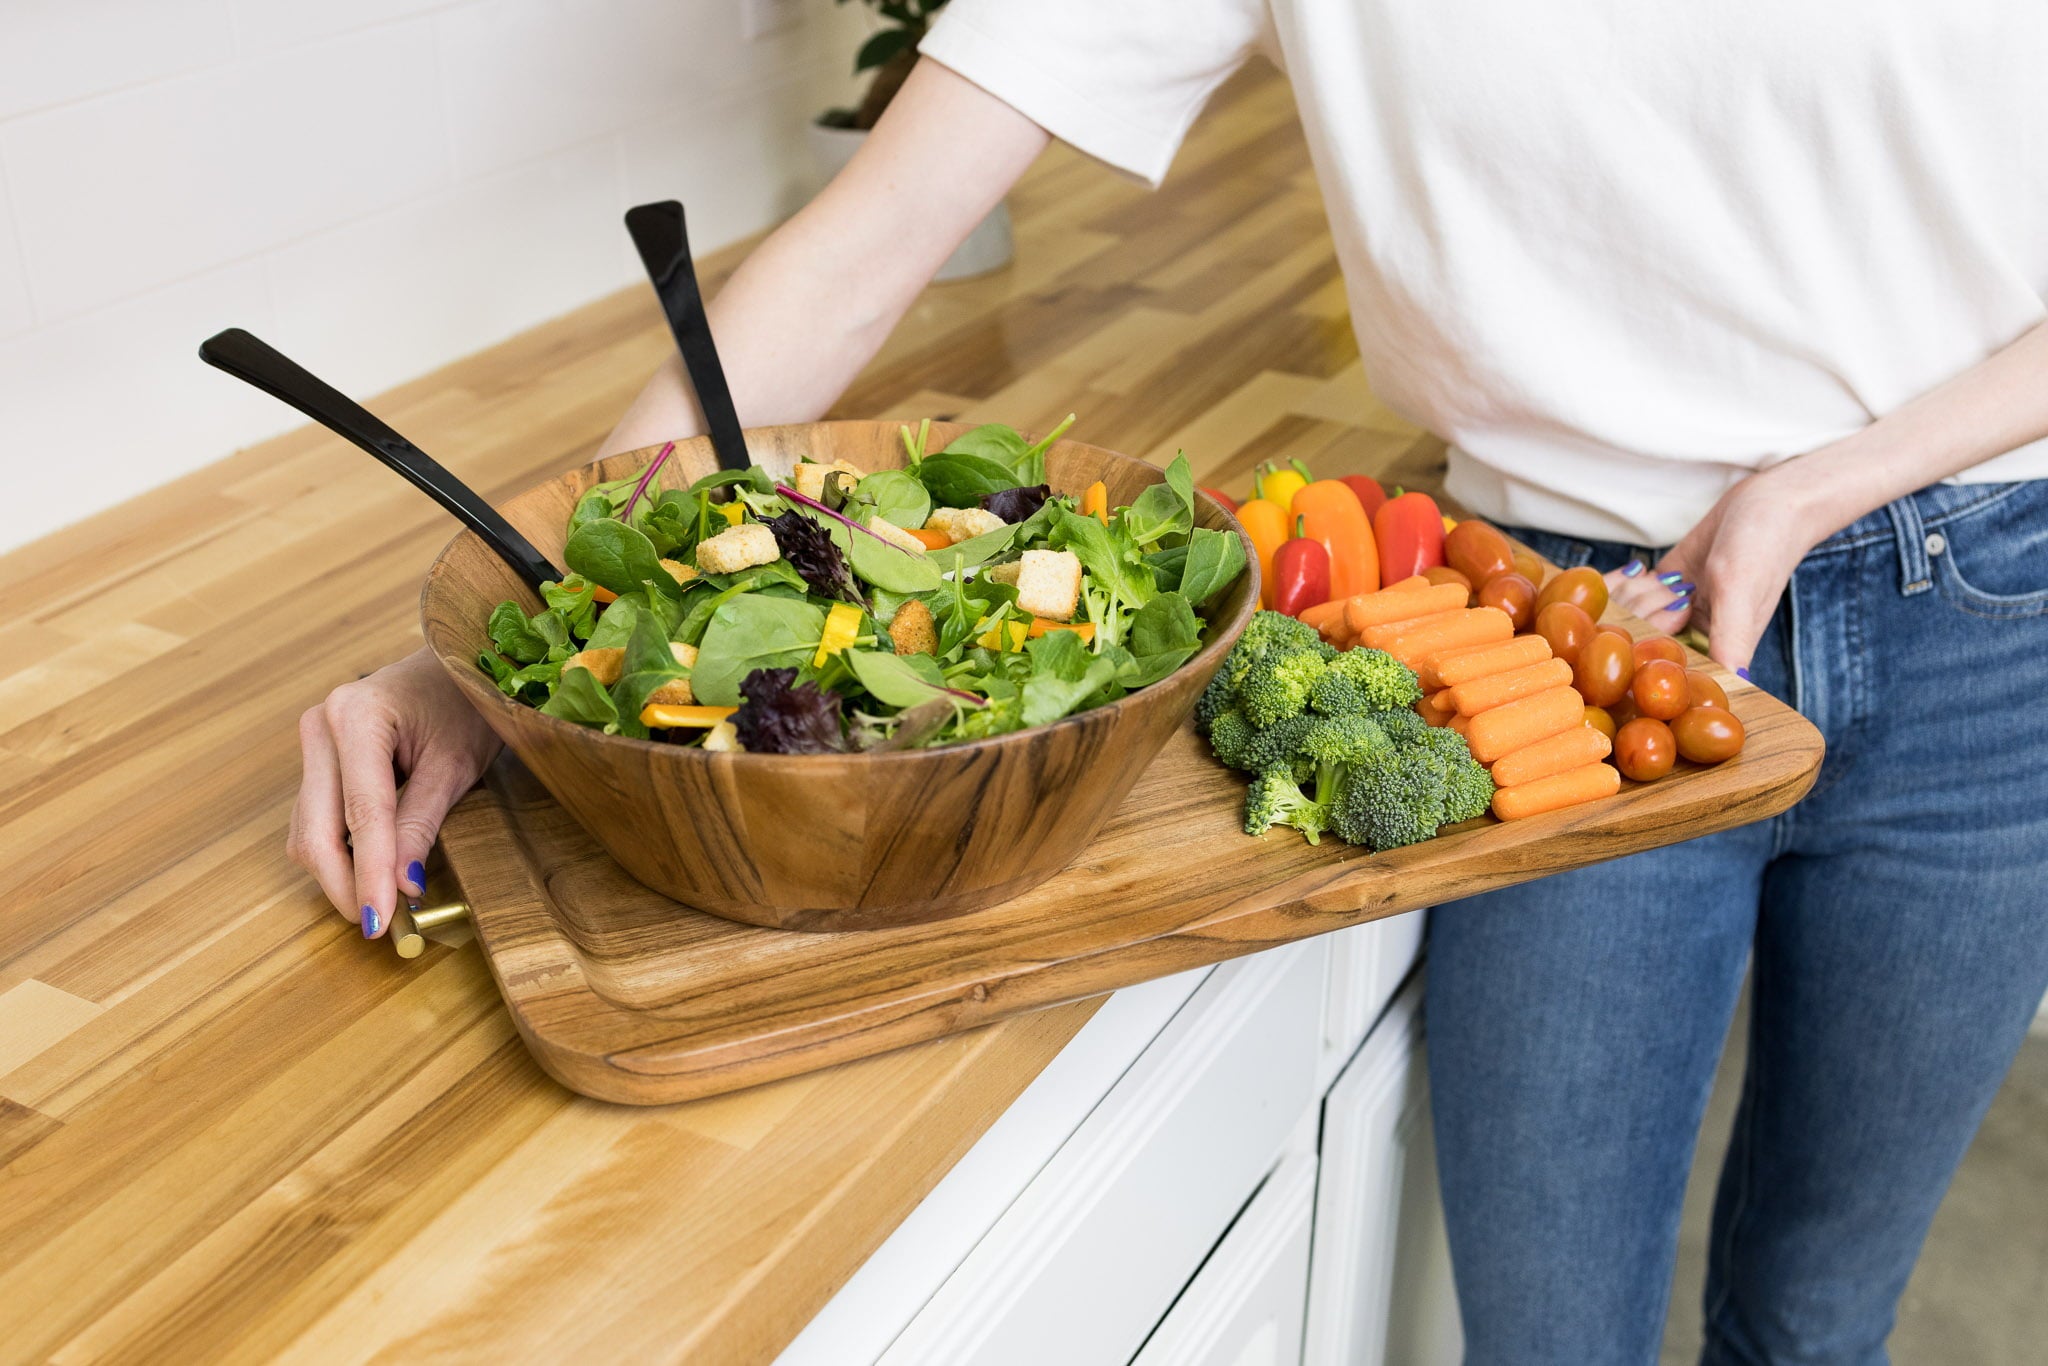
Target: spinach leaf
993	441
1214	561
649	663
1109	557
619	557
961	479
1048	696
615	627
579	697
976	549
522	639
1164	635
885	566
753	631
575	599
897	496
892	679
1167	567
1163	511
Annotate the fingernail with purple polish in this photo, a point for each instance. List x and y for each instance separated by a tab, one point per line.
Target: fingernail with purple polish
416	875
1670	578
1682	600
1684	587
370	922
1742	674
1631	569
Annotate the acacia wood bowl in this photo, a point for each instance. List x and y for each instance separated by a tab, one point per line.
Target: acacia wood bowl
823	841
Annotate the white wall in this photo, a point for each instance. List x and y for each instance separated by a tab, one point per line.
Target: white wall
375	186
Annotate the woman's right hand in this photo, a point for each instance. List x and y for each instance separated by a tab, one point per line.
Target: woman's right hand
406	718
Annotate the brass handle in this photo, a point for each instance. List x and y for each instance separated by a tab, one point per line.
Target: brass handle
408	926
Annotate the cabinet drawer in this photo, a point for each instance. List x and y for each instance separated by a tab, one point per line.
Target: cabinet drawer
1089	1257
1246	1305
1367	966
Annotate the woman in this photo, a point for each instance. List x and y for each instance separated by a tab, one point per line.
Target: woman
1759	283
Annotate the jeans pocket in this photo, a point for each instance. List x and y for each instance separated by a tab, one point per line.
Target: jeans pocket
1993	560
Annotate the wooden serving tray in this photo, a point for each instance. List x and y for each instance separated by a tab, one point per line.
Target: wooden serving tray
627	996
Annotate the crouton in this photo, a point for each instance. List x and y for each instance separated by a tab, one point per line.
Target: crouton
913	630
676	692
1050	584
605	665
724	737
809	477
961	524
678	571
736	548
895	535
1005	573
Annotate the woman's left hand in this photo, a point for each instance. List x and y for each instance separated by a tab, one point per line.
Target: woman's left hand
1731	569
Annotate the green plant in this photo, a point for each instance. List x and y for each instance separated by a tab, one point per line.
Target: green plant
890	52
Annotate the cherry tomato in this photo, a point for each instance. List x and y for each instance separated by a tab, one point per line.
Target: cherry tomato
1622	712
1478	551
1612	629
1703	691
1599	719
1513	594
1707	735
1567	627
1659	647
1527	565
1659	689
1604	670
1443	573
1644	750
1582	587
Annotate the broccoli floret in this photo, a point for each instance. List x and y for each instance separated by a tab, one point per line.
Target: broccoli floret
1336	744
1230	735
1280	746
1402	726
1468	787
1390	801
1276	799
1217	696
1280	687
1364	681
1269	636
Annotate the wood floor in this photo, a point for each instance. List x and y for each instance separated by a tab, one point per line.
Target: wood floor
233	1130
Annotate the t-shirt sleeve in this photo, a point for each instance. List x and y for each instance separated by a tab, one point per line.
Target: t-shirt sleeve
1119	79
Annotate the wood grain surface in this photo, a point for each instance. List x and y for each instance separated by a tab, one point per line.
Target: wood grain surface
826	841
231	1130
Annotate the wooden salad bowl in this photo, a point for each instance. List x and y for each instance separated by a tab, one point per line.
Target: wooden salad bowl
826	841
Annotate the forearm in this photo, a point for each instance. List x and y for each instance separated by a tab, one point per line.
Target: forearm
820	295
1993	407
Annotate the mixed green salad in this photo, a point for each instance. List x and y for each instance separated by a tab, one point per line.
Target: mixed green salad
955	598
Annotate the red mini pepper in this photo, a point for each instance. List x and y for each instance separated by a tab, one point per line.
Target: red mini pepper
1410	532
1301	574
1220	496
1370	494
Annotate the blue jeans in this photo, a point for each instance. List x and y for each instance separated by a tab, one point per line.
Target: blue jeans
1897	919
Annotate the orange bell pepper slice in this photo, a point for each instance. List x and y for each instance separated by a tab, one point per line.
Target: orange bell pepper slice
657	717
1095	502
1041	625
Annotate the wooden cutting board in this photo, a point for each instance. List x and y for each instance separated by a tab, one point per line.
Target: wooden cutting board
627	996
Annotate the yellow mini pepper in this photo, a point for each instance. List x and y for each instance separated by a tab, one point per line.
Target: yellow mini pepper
1266	523
842	628
1278	486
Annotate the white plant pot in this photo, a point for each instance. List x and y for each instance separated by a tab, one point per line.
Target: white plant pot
988	247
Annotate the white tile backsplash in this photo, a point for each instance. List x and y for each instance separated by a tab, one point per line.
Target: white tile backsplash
116	195
56	51
376	187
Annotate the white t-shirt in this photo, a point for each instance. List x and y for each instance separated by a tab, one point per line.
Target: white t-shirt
1618	254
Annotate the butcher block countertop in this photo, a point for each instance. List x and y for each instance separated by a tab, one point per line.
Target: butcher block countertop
234	1131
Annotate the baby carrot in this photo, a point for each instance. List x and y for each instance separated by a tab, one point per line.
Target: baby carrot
1424	640
1436	708
1500	732
1567	749
1393	605
1478	662
1463	725
1377	637
1323	613
1476	695
1589	782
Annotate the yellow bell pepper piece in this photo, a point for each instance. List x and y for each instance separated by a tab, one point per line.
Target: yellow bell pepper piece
1278	486
1095	502
1015	632
842	626
657	717
733	512
1449	522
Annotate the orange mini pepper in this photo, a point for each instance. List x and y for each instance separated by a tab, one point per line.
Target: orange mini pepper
1266	523
1330	513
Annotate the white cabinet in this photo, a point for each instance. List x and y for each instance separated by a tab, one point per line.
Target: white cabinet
1245	1306
1080	1268
1367	965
